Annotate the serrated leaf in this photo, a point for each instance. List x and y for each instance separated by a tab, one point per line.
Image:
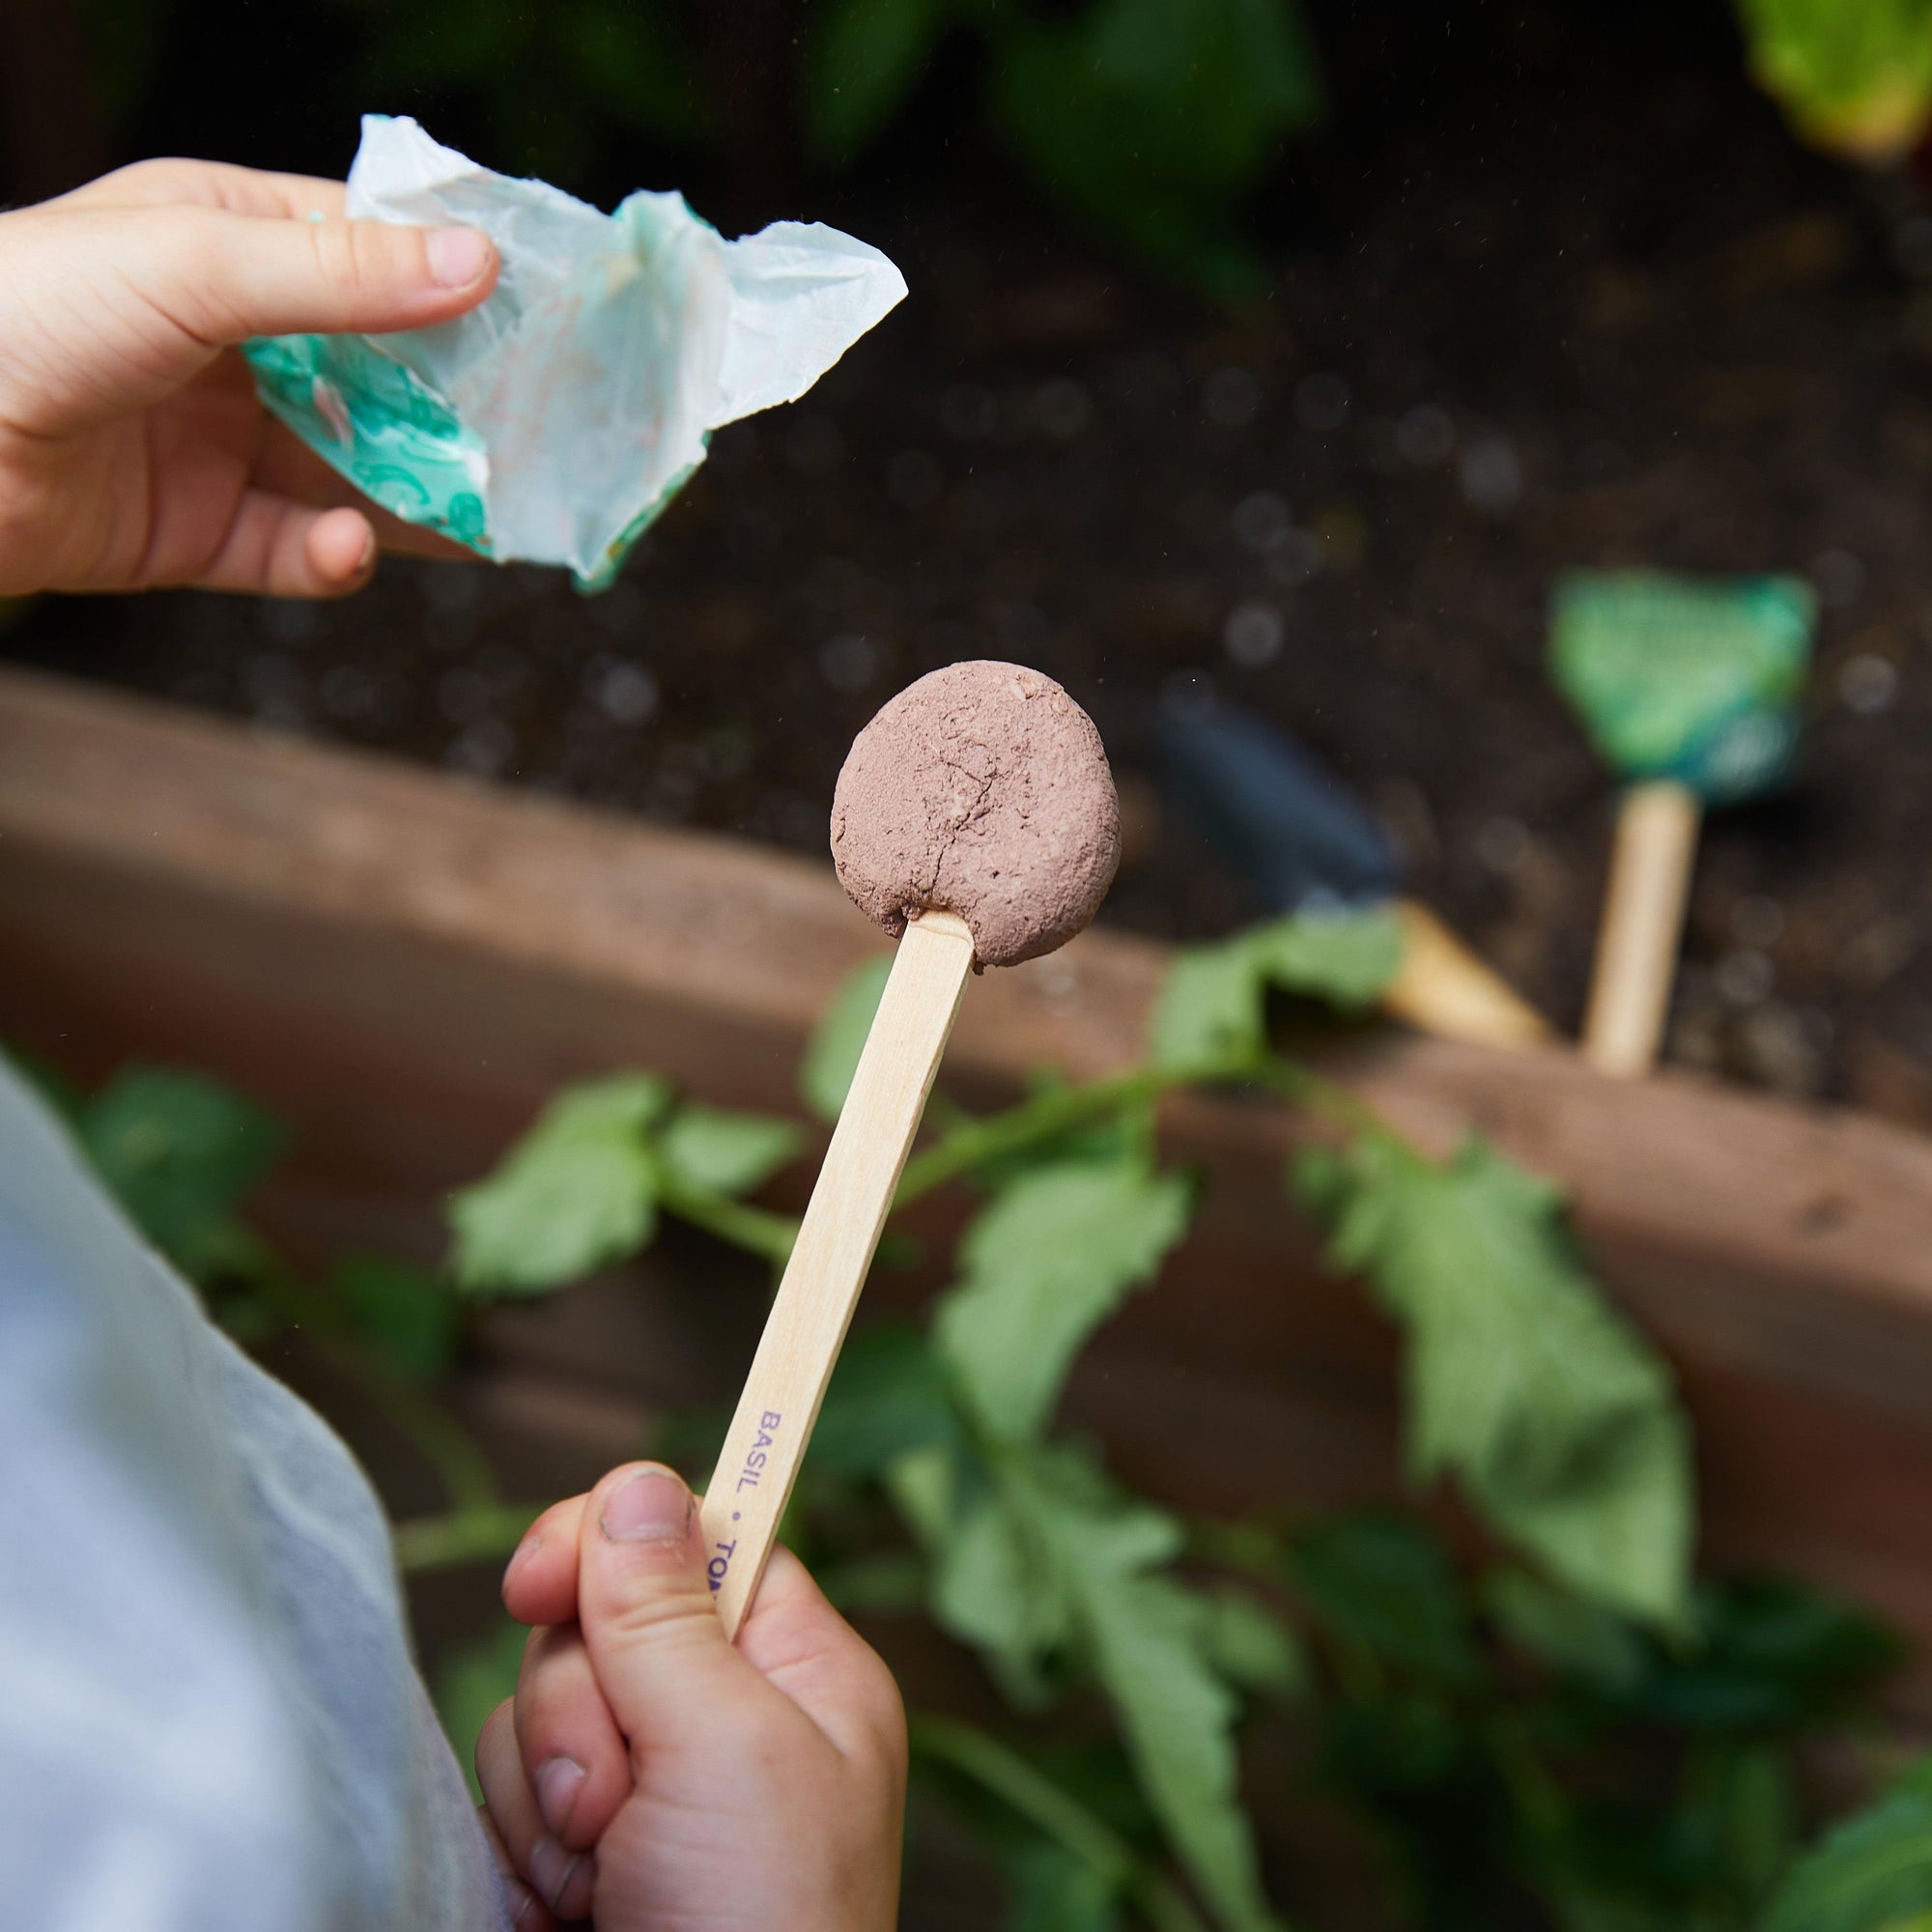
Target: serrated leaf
576	1193
1872	1872
1387	1586
1560	1422
1147	1637
725	1153
406	1315
989	1590
863	59
832	1054
1048	1262
1211	1005
1214	1000
179	1152
469	1685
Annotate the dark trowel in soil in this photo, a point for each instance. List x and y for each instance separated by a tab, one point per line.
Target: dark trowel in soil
1304	840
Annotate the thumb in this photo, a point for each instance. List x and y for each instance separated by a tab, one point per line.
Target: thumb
644	1603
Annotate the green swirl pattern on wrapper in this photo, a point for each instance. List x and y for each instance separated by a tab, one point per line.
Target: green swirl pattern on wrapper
383	428
1675	677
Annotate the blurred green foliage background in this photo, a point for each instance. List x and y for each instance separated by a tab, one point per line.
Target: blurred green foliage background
1152	127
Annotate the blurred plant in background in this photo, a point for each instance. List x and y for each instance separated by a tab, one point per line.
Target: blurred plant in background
1852	77
1148	122
1549	1723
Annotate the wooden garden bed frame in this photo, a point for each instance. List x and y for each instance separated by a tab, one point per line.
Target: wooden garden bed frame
403	964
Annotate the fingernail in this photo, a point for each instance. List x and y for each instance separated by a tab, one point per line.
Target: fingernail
523	1552
519	1898
557	1784
365	558
562	1879
457	256
652	1506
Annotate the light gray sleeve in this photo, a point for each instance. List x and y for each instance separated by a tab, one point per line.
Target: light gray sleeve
209	1720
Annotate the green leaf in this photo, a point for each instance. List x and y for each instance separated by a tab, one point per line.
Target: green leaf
863	60
179	1152
1564	1632
1854	76
1770	1657
889	1396
1214	1000
1386	1585
622	55
1147	1638
889	1583
1055	1892
1740	1800
1212	1003
995	1588
573	1195
1254	1647
407	1316
832	1054
725	1153
1149	118
472	1683
1870	1873
1048	1260
1560	1422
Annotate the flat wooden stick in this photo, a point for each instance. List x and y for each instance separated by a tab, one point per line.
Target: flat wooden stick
1642	927
841	1227
1442	987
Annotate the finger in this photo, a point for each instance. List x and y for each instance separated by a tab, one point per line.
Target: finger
524	1909
540	1583
797	1641
563	1879
278	549
575	1759
644	1603
285	466
211	185
219	277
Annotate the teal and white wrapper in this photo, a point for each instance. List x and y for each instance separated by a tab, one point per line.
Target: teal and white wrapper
555	421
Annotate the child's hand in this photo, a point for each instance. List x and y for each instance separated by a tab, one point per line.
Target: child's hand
132	450
748	1786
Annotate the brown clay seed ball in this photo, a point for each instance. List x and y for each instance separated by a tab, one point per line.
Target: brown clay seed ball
982	790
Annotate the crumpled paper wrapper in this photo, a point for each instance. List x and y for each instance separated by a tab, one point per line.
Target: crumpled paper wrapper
554	423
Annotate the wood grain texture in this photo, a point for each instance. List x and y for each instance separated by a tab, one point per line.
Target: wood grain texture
836	1239
405	967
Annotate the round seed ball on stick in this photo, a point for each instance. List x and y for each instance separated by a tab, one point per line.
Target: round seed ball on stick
976	820
984	789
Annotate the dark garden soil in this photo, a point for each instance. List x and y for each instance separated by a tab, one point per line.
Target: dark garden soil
1547	299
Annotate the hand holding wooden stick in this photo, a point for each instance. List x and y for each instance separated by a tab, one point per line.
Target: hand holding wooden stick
976	816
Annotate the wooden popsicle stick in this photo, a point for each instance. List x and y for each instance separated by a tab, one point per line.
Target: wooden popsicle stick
844	1220
1642	927
1442	987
